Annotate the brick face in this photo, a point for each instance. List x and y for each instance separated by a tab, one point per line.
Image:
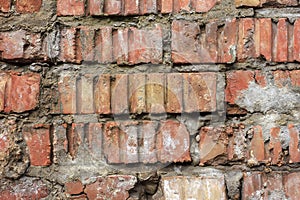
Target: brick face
28	6
151	93
5	5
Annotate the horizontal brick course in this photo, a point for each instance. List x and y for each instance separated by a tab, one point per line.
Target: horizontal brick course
154	93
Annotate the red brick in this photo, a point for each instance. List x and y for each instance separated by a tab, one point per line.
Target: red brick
28	6
22	92
257	149
281	78
184	44
84	94
294	151
131	7
129	142
173	142
33	50
181	5
111	187
166	6
228	41
246	48
103	45
137	93
94	139
112	7
79	197
211	43
102	94
12	45
38	141
4	77
120	49
70	7
281	42
5	5
68	45
265	42
291	185
155	90
237	81
148	6
251	184
111	146
174	92
236	144
295	77
275	146
213	144
67	91
194	187
74	187
260	78
95	7
60	142
203	5
199	92
86	47
145	46
296	41
147	150
24	188
119	94
75	139
250	3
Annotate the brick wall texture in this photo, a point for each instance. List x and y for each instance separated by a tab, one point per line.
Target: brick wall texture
150	99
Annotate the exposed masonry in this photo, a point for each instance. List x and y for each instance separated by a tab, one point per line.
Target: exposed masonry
149	99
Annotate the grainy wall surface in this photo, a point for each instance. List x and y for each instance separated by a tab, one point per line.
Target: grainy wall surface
149	99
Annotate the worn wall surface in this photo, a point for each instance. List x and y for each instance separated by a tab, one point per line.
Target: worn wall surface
149	99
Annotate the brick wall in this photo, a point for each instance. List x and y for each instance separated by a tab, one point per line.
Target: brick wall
149	99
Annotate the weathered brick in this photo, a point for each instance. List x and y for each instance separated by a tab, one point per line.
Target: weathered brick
4	77
213	144
275	146
236	82
60	142
119	94
102	94
291	185
84	94
203	5
181	5
279	2
174	93
296	42
265	41
95	139
155	91
199	92
145	46
246	44
281	42
194	187
120	49
131	7
111	146
295	78
5	5
147	142
173	142
68	45
250	3
86	48
112	7
236	142
95	7
25	188
137	93
22	92
67	91
28	6
257	149
105	40
281	78
294	144
166	6
148	6
70	7
111	187
12	45
74	187
37	138
227	42
75	138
